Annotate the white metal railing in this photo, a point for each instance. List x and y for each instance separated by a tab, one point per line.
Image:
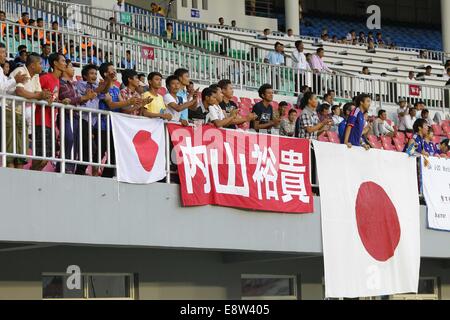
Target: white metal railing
208	69
143	28
68	123
142	18
60	145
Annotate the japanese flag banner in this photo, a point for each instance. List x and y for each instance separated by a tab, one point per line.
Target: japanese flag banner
370	221
233	168
140	149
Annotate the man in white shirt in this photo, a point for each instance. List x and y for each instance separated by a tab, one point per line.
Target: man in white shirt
382	127
408	123
215	114
174	104
299	58
8	85
31	89
402	111
118	8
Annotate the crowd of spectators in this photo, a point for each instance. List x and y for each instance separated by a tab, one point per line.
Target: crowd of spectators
49	76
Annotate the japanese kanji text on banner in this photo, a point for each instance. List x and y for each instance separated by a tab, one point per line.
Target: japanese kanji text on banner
237	169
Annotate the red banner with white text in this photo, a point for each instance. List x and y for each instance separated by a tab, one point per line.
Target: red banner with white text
233	168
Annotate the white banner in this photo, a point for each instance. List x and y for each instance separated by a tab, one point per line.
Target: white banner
370	221
436	190
140	149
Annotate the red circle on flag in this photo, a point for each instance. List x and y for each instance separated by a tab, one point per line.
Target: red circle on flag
146	149
377	220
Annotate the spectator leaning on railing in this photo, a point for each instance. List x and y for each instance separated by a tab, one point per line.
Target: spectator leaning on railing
85	87
276	57
216	115
45	129
113	102
175	104
356	123
308	125
30	89
156	108
69	95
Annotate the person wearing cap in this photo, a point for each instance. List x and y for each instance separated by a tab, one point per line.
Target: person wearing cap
276	57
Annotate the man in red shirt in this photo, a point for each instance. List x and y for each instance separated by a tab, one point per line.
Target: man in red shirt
43	116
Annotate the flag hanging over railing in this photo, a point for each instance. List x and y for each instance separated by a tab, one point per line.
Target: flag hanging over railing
243	170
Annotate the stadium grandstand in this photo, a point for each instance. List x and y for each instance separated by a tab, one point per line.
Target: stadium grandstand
224	150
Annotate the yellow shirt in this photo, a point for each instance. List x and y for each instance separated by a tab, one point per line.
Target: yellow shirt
157	105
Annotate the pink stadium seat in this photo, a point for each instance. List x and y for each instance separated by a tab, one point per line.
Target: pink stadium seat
437	130
162	91
333	137
388	146
386	140
323	138
246	101
235	99
445	127
409	136
401	137
390	122
399	144
257	100
275	105
374	143
437	139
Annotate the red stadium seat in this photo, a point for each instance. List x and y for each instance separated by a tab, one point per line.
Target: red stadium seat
162	91
333	137
275	105
409	136
401	137
235	99
323	138
78	78
445	127
437	130
257	100
437	139
374	143
399	144
246	101
387	145
386	140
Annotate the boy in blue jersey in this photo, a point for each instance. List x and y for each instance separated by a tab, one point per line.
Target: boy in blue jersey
420	128
347	110
356	123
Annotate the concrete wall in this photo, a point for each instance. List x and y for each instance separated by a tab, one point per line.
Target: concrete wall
171	274
68	209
